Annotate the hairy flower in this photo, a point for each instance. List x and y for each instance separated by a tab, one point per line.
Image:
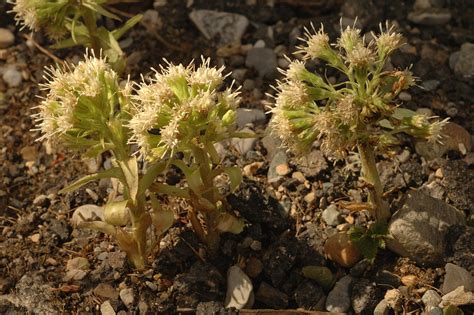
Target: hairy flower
388	41
349	39
26	14
360	56
80	99
317	43
181	104
435	130
292	94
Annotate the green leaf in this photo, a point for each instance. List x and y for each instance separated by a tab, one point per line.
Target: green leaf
195	182
170	190
385	123
151	173
99	9
99	226
130	172
116	213
111	172
229	223
118	33
161	219
235	175
322	275
97	149
401	113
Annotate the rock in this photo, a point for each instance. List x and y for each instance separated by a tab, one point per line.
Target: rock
272	145
459	296
309	296
464	60
271	296
6	38
244	145
339	300
404	96
431	299
246	116
312	164
253	267
279	159
340	249
394	298
322	275
29	153
33	293
331	215
88	212
229	26
106	291
430	85
77	263
115	260
264	60
239	289
107	309
418	229
127	296
75	275
12	77
40	200
239	75
365	296
381	308
455	277
152	21
430	16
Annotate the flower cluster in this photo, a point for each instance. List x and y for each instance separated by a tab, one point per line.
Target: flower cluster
181	105
343	115
47	14
81	99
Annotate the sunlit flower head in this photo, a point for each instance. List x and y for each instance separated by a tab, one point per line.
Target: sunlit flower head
78	96
316	43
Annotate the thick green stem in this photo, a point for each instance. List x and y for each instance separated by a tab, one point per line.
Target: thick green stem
371	176
205	170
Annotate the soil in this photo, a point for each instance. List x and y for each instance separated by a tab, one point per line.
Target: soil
284	229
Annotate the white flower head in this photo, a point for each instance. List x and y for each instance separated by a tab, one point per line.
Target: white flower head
317	43
26	14
295	70
66	87
206	76
292	95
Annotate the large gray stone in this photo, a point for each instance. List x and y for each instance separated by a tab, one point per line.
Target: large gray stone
339	300
229	26
465	61
419	228
455	277
264	60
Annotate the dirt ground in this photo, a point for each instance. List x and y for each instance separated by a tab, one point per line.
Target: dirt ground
284	230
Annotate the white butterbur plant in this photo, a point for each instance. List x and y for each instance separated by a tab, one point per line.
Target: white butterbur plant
182	111
360	113
86	110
